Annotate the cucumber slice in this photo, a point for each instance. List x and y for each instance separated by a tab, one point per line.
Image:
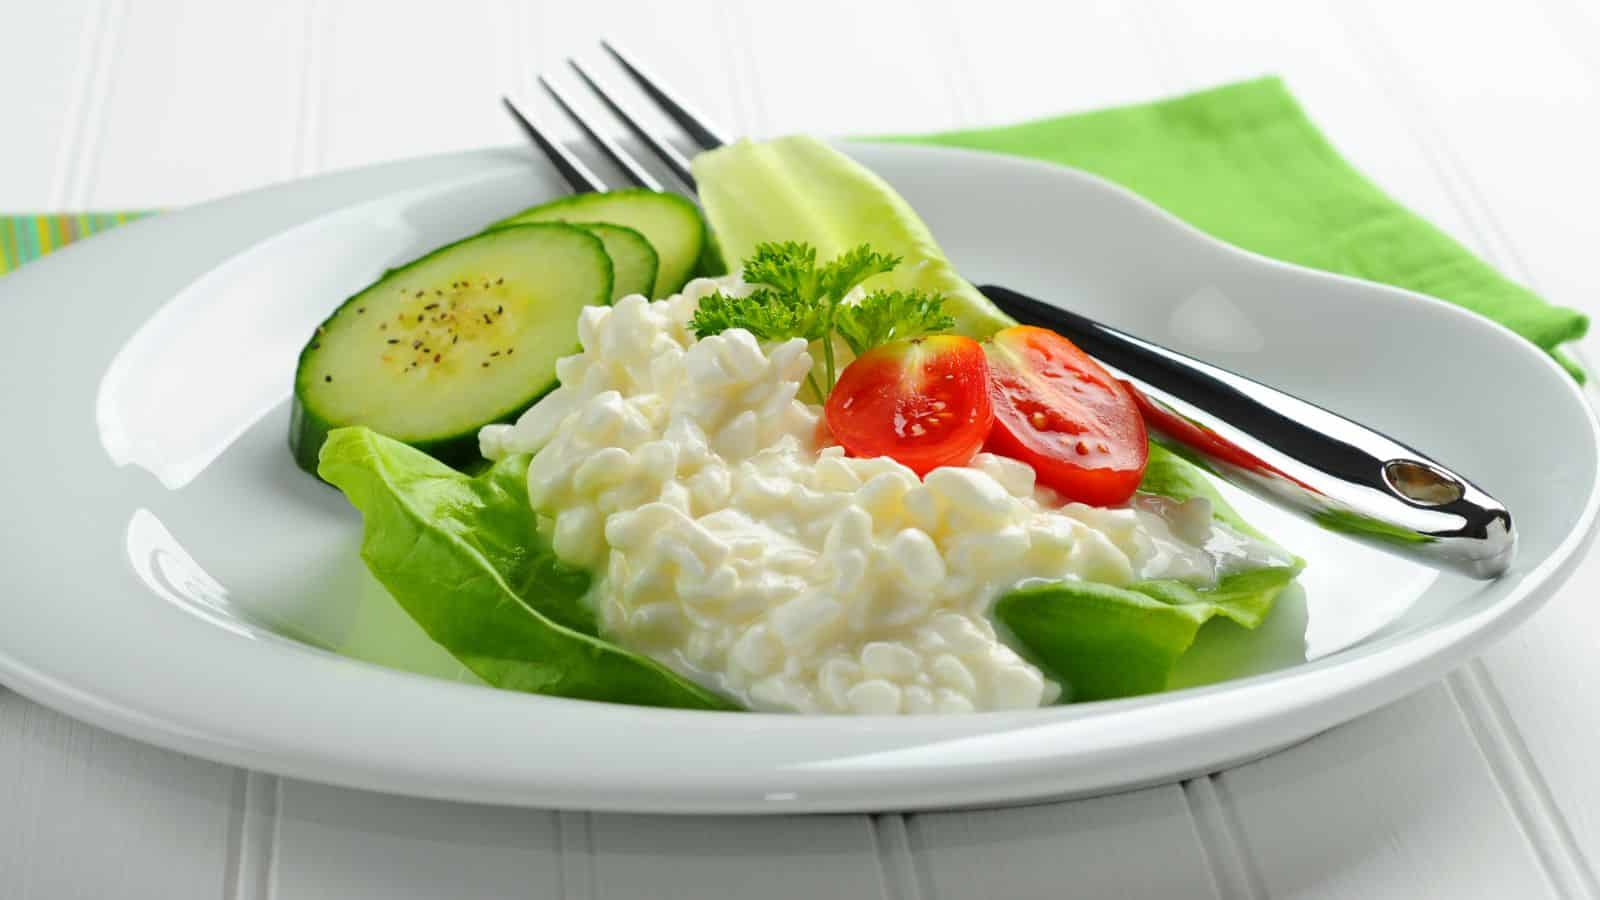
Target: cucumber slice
633	260
670	222
463	337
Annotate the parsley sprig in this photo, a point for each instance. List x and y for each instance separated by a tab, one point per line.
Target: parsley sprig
796	297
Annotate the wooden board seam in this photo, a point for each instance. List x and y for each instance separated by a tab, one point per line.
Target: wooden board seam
85	123
252	836
575	840
902	876
1234	872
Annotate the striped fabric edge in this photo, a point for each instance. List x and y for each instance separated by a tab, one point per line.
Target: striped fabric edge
28	237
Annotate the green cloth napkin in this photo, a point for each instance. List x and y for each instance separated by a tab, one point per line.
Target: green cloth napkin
1242	162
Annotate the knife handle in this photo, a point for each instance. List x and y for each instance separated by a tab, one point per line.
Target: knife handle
1343	475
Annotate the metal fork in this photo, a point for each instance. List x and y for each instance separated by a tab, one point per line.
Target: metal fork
1341	474
578	175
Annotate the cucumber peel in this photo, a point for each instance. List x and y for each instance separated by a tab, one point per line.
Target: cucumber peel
633	261
670	222
466	336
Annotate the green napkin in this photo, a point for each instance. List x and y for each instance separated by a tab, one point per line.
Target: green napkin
1244	163
1241	162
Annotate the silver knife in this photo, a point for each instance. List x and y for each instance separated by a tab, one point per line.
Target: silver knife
1343	475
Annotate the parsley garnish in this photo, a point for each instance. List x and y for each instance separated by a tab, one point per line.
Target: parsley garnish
798	298
885	316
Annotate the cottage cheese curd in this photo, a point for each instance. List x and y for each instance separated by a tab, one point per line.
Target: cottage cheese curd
738	552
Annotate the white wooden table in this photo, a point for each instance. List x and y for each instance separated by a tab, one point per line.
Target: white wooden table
1481	116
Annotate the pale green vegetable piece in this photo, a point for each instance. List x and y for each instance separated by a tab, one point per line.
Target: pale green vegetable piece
800	189
1102	641
633	261
669	222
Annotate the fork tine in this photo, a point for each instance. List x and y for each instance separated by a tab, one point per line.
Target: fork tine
705	135
579	176
662	149
635	172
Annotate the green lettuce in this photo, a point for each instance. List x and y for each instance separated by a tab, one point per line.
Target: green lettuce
1102	641
463	556
1347	521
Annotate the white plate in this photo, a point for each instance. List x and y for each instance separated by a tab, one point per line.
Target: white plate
170	575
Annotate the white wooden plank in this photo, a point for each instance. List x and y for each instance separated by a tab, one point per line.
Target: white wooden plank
692	857
1394	804
204	100
1027	59
881	74
347	845
48	50
408	79
86	814
682	42
1139	844
1522	782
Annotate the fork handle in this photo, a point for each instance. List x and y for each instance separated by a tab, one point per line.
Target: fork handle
1345	476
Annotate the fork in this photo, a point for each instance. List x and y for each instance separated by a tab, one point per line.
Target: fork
1342	475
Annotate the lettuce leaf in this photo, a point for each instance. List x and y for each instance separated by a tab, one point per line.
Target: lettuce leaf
1102	641
463	557
799	189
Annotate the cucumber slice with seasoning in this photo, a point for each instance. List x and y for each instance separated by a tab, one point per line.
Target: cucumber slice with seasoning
463	337
670	222
633	260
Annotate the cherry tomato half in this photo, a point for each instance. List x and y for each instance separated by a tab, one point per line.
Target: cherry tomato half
1057	410
924	402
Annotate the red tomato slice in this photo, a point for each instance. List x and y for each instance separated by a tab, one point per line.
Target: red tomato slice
925	403
1057	410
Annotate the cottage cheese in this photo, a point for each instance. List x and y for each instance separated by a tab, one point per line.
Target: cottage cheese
740	553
